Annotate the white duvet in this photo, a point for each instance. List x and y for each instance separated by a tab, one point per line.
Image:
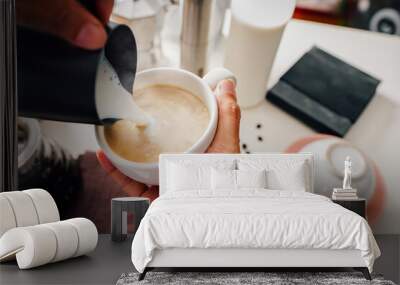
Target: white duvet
250	219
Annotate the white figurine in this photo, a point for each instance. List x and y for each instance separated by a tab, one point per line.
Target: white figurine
347	173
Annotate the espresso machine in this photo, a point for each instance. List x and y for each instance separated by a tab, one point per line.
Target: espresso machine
201	23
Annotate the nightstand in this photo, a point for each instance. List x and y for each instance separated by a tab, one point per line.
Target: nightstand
358	206
121	209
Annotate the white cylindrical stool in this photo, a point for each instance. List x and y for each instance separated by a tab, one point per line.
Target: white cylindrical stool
255	33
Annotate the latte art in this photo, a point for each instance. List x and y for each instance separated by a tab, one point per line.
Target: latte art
179	119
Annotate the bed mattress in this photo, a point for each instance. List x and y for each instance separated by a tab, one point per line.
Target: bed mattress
250	219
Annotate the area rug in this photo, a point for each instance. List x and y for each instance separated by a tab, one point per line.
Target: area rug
268	278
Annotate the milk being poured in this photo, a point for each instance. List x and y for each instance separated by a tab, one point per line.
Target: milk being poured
180	119
113	102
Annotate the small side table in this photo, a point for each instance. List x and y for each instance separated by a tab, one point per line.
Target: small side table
123	207
358	206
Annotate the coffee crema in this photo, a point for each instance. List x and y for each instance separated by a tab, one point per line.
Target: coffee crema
179	119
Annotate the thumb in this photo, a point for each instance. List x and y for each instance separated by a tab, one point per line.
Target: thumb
67	19
226	139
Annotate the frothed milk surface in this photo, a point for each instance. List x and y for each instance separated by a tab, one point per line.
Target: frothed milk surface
179	119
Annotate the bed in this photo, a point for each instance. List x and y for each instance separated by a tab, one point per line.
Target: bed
247	211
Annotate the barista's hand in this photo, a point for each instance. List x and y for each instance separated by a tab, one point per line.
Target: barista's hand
67	19
226	140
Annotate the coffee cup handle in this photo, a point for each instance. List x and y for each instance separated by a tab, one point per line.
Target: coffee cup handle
216	75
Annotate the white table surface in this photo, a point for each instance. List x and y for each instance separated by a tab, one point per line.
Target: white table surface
377	131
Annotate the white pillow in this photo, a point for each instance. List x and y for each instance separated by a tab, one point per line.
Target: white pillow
251	178
190	174
235	179
183	178
223	179
293	178
281	174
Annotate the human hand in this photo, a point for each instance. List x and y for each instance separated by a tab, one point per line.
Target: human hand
67	19
226	140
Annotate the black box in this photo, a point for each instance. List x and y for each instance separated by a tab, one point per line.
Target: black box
324	92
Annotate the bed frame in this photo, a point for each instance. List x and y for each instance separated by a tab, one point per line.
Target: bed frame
260	259
247	259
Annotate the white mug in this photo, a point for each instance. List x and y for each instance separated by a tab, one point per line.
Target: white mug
202	87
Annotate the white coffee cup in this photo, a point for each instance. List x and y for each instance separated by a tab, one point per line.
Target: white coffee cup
201	87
